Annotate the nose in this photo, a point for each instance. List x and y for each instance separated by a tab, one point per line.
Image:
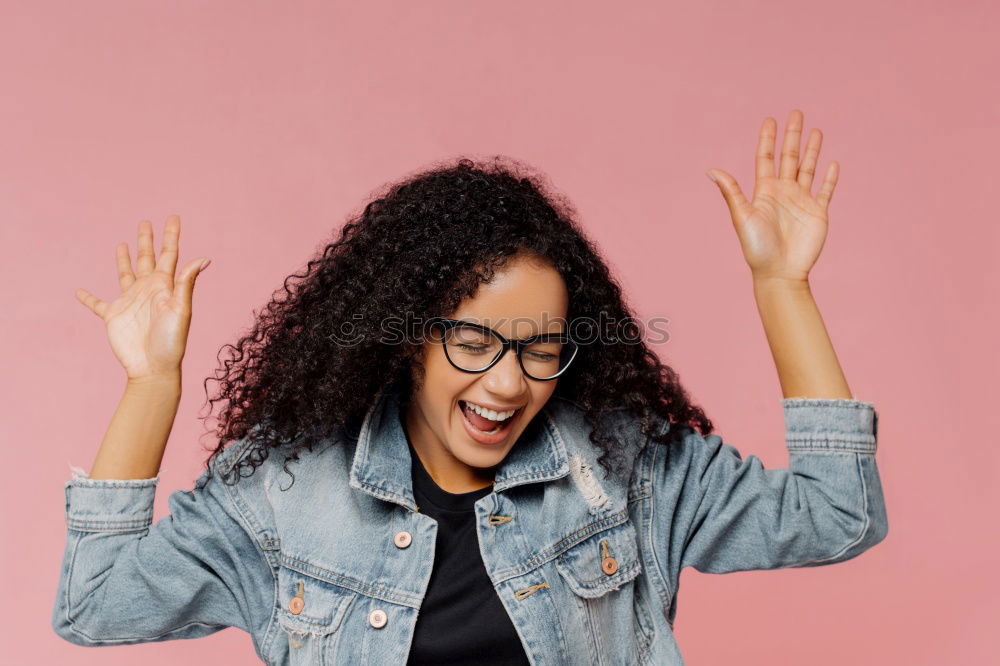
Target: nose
505	379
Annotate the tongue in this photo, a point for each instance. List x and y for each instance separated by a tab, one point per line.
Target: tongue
479	421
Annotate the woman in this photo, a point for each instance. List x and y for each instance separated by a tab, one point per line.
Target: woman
436	450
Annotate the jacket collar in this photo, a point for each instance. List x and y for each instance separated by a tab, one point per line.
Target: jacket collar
381	465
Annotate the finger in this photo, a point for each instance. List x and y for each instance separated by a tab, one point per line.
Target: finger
790	146
765	149
184	286
731	192
167	262
125	275
826	190
96	305
145	261
808	168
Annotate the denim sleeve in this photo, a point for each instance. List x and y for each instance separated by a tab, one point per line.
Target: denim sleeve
124	580
732	514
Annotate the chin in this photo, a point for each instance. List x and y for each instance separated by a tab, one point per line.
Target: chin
474	454
482	459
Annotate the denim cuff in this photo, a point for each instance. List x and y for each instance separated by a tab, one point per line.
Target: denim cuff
109	505
830	424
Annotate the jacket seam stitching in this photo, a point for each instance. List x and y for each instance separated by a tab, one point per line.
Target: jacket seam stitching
564	544
624	575
861	445
256	540
340	580
841	439
109	526
144	637
646	494
848	403
652	520
383	493
69	586
228	463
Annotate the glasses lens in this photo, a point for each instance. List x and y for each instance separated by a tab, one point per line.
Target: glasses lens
471	348
548	357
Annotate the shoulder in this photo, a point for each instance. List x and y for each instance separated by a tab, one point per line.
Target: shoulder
568	420
273	491
245	453
255	477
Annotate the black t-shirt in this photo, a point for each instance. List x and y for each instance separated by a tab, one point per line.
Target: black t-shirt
461	620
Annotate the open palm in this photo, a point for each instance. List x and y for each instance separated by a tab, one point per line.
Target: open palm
147	324
783	229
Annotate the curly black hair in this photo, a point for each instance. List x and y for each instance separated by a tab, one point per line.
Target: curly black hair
423	245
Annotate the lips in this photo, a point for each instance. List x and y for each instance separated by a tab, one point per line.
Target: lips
484	438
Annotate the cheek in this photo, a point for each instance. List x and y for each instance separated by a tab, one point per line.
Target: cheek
434	372
442	383
540	394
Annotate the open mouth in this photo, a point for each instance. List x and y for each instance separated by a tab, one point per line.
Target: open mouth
482	425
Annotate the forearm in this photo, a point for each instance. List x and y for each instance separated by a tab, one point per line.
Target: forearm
137	436
803	354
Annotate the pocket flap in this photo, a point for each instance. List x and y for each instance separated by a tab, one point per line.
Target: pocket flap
586	565
321	607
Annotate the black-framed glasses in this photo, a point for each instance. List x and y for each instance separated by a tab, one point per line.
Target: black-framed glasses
472	347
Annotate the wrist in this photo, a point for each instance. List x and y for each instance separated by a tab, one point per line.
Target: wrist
774	282
159	384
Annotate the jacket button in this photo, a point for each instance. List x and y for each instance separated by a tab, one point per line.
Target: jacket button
402	539
609	565
377	618
296	605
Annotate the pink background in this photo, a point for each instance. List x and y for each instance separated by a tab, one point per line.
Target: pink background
264	124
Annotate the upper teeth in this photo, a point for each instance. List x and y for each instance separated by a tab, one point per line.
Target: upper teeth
489	413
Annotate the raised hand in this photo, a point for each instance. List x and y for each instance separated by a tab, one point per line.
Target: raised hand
783	229
149	320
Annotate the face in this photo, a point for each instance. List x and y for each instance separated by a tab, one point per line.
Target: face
525	298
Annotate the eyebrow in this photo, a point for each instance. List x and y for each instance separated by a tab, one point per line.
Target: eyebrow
527	337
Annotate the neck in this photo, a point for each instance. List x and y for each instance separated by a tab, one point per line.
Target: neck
449	473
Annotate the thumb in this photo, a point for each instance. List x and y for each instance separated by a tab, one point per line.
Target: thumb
185	282
731	192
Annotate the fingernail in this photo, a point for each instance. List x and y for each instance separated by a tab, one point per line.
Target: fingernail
711	177
205	264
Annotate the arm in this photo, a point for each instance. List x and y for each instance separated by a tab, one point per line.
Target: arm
721	513
803	355
124	580
147	326
134	442
782	232
198	570
727	513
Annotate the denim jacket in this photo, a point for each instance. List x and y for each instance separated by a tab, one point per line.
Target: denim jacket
332	569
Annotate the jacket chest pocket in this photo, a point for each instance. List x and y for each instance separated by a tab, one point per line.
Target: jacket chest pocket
310	613
600	572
